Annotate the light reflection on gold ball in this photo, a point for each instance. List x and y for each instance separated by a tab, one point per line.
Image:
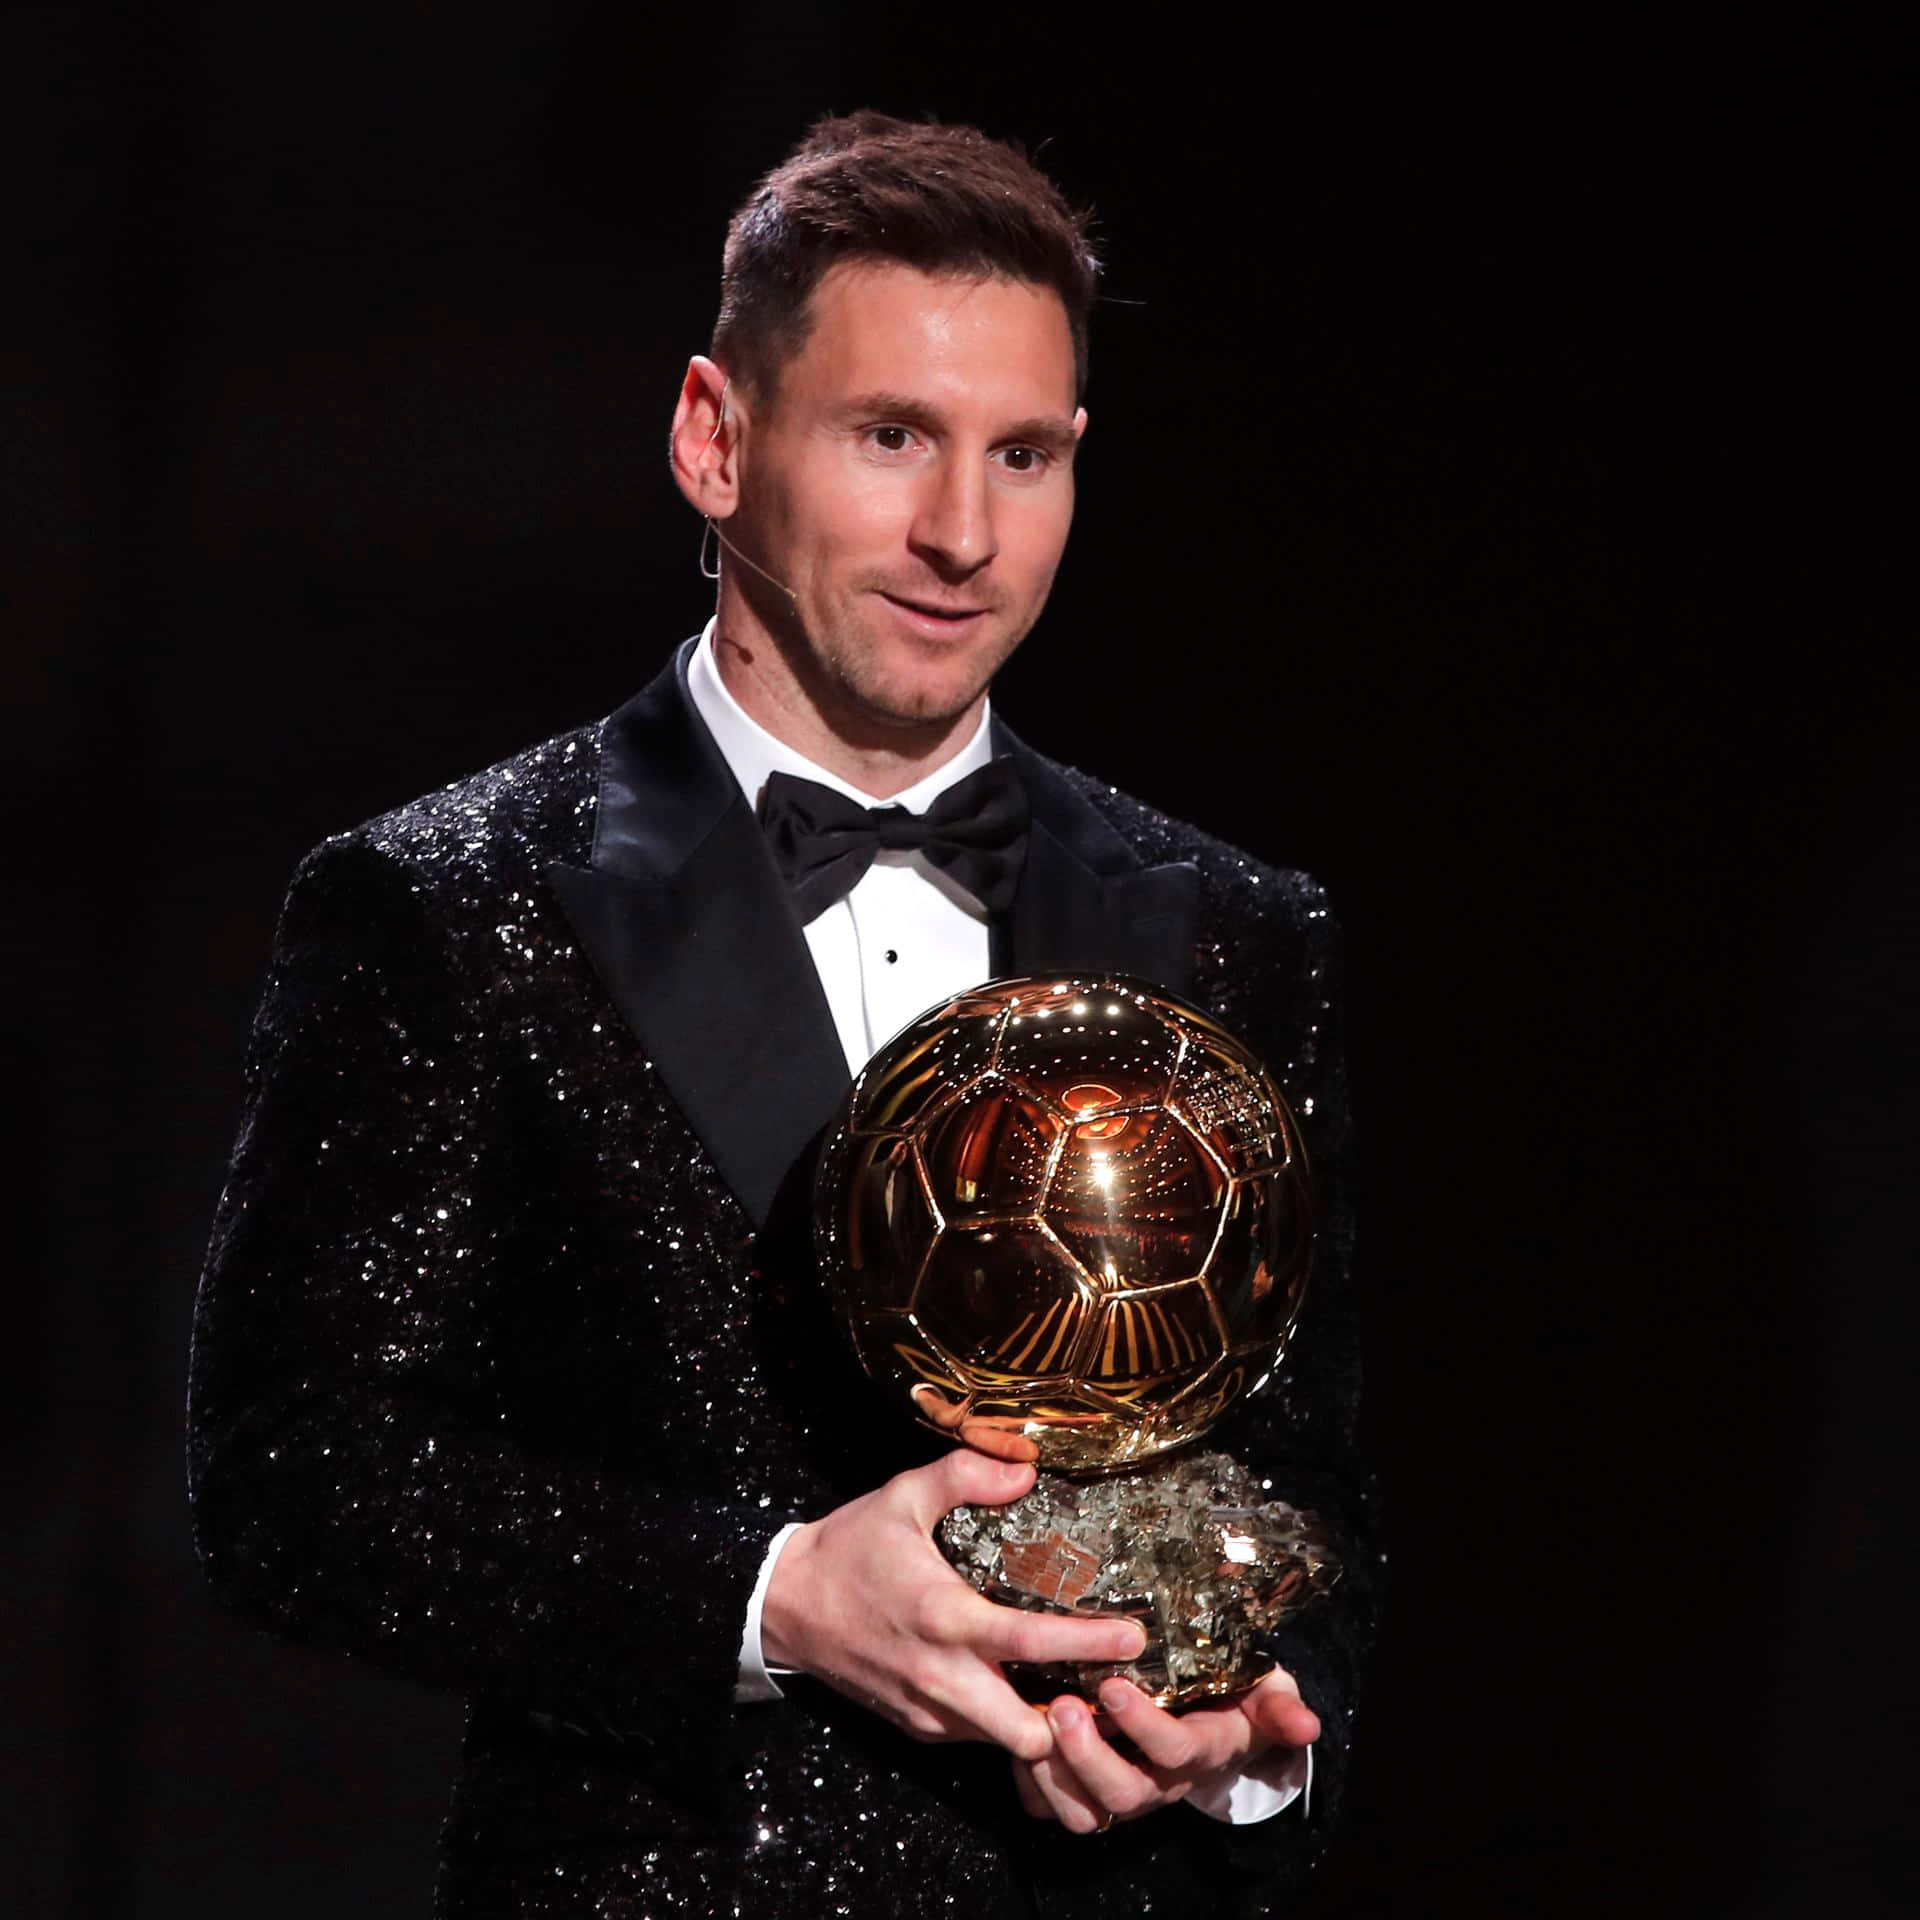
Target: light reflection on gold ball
1069	1221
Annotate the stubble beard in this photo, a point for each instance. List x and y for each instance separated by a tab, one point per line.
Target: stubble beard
849	664
899	702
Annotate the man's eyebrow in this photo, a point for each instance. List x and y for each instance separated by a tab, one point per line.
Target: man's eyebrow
895	406
1056	437
1049	435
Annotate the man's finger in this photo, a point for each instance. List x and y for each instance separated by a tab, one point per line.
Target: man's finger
1012	1633
1028	1788
1066	1799
977	1696
962	1478
1278	1715
1203	1741
1113	1783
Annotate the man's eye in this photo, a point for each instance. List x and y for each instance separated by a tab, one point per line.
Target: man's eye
892	439
1024	459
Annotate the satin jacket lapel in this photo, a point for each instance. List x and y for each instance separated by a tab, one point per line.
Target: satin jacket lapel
1085	903
684	917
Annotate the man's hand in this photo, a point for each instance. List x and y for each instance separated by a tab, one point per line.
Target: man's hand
864	1600
1086	1783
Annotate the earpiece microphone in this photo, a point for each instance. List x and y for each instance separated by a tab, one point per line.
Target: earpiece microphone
712	571
746	560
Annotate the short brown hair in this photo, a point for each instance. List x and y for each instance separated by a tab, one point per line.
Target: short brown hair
945	199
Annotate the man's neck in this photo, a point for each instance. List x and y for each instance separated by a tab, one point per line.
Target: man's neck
877	758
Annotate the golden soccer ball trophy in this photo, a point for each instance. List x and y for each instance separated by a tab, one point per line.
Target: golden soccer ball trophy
1070	1221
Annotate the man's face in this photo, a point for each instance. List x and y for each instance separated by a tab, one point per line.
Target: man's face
910	479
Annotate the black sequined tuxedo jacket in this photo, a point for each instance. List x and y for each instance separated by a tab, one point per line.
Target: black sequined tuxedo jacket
509	1359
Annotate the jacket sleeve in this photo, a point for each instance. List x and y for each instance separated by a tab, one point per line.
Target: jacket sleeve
354	1483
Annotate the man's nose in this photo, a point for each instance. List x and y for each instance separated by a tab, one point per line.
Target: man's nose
954	528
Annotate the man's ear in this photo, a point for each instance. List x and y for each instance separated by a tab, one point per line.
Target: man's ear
704	446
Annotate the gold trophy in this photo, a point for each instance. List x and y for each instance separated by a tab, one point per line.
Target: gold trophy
1070	1222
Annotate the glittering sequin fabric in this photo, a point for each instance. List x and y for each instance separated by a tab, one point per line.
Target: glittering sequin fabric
496	1382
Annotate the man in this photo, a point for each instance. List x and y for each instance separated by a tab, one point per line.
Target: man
510	1367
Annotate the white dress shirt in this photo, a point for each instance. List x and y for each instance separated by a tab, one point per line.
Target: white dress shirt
903	939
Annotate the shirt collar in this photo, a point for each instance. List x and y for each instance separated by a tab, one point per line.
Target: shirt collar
753	753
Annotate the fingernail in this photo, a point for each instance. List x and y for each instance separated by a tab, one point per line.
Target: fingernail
1066	1714
1116	1696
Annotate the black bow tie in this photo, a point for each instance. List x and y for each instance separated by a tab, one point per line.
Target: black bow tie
822	842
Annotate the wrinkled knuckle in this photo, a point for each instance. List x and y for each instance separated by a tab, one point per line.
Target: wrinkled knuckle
934	1618
920	1677
1023	1641
903	1490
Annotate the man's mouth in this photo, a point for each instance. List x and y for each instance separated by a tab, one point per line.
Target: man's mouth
938	613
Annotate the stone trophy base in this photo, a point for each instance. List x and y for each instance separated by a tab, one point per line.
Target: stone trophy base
1189	1545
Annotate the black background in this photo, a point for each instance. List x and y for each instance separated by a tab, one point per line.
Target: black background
1485	507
